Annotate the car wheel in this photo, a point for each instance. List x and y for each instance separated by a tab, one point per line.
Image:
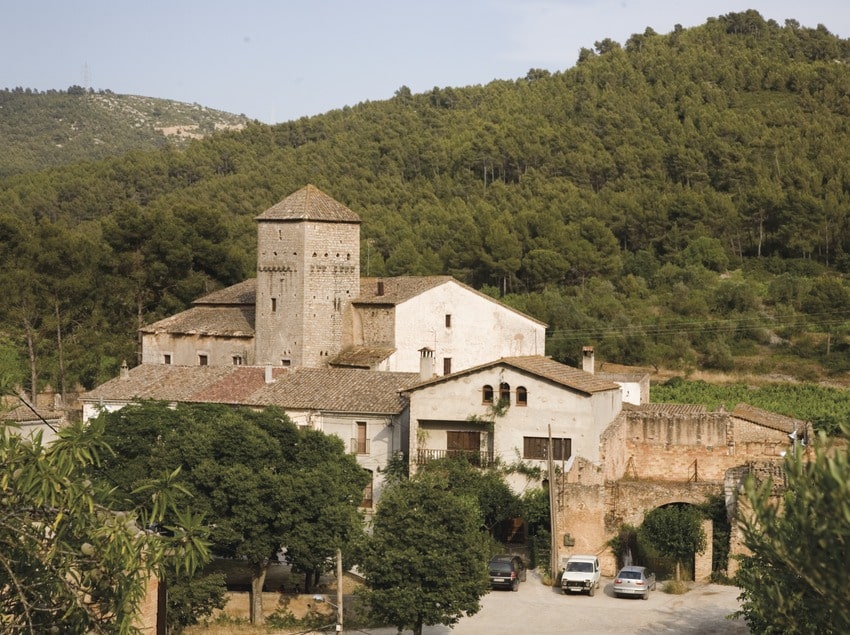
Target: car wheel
591	590
645	595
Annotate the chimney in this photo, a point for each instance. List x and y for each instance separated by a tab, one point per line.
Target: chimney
269	378
125	370
426	363
380	288
587	359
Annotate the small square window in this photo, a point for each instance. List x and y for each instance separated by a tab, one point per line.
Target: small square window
166	359
203	360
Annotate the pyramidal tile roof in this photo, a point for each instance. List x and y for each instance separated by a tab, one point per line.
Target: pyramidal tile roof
310	204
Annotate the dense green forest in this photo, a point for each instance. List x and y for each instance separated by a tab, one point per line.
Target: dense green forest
57	127
679	200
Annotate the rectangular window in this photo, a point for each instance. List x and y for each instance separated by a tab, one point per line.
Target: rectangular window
448	320
237	360
538	448
360	441
286	362
447	365
166	359
203	360
274	305
463	441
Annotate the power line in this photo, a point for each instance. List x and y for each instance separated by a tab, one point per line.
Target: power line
703	325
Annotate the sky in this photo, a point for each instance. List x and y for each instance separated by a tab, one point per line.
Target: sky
278	60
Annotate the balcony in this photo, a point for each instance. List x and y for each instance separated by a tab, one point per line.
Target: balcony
479	459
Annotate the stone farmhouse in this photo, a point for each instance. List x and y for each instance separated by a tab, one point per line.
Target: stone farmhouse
429	367
310	336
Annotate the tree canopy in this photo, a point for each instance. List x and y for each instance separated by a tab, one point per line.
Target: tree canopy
612	200
71	559
796	579
426	560
261	483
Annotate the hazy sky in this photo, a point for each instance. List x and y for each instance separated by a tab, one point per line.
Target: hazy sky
276	60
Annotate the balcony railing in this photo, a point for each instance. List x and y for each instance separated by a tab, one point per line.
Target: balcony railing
480	459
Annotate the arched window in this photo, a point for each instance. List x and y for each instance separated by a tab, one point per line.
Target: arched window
487	394
521	396
504	394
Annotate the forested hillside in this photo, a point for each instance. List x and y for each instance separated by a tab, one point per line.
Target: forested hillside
57	127
679	200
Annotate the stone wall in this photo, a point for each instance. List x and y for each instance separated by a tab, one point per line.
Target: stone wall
649	459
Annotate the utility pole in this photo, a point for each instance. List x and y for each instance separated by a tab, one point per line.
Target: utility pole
553	512
339	590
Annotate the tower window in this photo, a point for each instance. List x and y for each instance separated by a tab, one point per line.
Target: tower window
448	320
447	365
274	305
166	358
203	359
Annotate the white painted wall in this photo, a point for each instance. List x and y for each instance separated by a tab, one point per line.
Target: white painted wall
481	330
570	414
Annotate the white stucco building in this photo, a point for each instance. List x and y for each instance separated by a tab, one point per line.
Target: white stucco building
504	411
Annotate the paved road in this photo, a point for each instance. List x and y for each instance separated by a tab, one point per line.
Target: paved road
539	610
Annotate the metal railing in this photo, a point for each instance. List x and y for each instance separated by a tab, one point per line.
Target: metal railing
480	459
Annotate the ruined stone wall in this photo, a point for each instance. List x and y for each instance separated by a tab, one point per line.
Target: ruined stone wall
694	447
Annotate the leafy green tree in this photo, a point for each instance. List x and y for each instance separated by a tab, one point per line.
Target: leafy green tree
796	579
70	559
260	480
426	560
675	532
323	514
496	500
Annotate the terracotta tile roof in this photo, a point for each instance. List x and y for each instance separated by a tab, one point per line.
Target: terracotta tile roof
244	292
543	367
768	419
161	382
338	390
311	204
327	389
361	356
225	321
671	409
22	413
399	289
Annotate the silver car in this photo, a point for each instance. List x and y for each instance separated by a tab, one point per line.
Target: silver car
634	581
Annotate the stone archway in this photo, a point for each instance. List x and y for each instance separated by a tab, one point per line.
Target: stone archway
590	516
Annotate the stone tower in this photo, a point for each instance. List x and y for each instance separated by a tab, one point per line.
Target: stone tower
308	271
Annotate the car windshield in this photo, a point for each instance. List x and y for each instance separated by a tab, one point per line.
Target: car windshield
501	567
630	575
584	567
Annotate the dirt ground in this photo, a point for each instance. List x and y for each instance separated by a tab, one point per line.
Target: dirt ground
283	592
